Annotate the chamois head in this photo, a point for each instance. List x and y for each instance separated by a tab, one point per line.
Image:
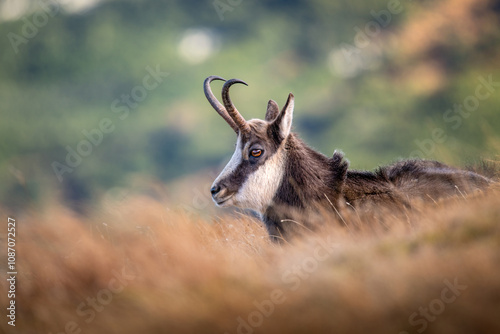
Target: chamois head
254	172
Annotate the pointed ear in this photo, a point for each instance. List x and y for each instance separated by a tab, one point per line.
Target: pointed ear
272	110
283	123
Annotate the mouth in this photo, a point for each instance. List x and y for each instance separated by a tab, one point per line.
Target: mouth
222	202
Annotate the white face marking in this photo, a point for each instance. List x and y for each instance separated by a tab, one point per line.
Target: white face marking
258	191
230	168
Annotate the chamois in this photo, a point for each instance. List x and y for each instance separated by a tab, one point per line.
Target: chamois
284	181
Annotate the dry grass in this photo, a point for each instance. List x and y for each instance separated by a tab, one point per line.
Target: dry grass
183	274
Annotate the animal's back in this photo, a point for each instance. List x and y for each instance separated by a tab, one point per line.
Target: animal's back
401	184
432	180
406	181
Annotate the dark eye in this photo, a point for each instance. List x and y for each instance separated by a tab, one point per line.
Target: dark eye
256	153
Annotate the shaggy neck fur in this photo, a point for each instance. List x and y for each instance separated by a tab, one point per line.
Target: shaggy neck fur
309	179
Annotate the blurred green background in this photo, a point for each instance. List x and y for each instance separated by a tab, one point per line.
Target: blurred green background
380	80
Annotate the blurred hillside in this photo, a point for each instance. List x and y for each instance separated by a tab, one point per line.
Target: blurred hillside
100	94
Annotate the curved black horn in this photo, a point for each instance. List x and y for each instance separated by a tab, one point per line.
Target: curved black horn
215	103
231	109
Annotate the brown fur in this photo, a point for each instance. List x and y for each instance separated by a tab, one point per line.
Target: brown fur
315	182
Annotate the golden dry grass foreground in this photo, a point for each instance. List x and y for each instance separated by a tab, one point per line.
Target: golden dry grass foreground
143	268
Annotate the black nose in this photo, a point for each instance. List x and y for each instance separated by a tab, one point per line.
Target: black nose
215	190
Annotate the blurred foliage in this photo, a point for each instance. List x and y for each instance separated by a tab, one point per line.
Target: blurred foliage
371	84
